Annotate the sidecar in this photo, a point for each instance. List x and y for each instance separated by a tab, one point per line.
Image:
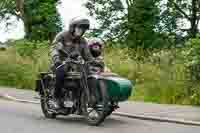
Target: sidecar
118	88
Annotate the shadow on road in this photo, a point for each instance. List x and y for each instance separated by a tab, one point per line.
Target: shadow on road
81	121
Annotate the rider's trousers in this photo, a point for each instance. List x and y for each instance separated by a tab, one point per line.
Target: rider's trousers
60	73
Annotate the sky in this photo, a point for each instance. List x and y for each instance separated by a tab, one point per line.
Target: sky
68	10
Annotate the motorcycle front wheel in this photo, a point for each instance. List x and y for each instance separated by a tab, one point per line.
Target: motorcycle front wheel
45	109
44	101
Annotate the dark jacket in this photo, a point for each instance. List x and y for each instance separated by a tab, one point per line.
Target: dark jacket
64	40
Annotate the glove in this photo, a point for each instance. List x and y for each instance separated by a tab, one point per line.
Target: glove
74	55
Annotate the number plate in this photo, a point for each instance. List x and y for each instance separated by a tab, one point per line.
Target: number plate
68	104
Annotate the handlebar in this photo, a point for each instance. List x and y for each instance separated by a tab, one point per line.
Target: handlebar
75	62
78	57
69	60
78	61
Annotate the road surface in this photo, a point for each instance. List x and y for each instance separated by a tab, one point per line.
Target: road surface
28	118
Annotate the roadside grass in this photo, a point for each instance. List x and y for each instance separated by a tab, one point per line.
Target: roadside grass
162	81
21	71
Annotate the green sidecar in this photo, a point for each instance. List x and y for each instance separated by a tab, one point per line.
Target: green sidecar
118	88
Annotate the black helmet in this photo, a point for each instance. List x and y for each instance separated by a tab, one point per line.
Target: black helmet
83	23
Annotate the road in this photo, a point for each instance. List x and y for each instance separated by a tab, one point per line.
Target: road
27	118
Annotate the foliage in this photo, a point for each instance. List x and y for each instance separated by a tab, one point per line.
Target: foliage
111	16
40	17
143	17
160	77
175	12
133	23
192	56
146	23
27	48
20	64
15	71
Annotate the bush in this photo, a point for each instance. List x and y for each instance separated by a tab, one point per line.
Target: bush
26	48
20	69
159	78
192	56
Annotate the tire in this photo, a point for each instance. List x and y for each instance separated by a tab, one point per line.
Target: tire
91	121
43	100
45	111
96	121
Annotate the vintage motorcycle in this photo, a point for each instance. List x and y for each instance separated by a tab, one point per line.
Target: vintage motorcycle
78	97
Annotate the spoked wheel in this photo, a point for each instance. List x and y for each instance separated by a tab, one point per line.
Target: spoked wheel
45	109
44	103
93	116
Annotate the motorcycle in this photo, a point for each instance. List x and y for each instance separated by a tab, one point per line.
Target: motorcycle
77	95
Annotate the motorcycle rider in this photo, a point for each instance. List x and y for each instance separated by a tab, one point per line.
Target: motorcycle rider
71	41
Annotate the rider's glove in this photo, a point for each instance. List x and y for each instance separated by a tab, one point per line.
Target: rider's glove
74	55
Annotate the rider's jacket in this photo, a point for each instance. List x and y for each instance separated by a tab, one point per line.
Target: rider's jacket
64	40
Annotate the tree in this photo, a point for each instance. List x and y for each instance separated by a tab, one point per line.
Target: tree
40	17
176	10
132	22
143	17
111	17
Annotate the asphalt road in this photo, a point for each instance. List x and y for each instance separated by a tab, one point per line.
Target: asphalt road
27	118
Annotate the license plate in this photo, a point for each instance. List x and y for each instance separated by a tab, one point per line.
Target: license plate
68	104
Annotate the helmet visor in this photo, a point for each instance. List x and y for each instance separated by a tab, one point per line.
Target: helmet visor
83	26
